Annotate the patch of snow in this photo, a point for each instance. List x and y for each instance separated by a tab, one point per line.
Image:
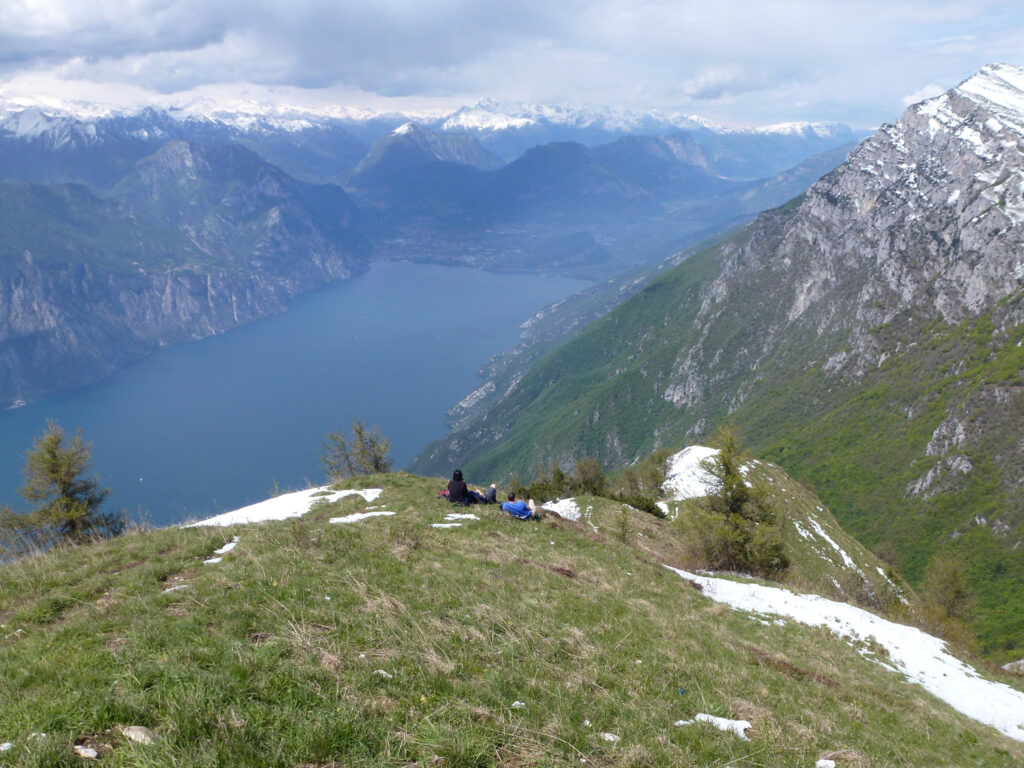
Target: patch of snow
847	561
923	659
175	588
999	87
404	129
355	517
738	727
447	525
6	746
87	752
686	478
566	508
458	516
518	705
222	551
609	736
823	763
383	673
285	506
227	547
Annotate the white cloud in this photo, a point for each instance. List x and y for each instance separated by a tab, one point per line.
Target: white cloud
928	92
733	61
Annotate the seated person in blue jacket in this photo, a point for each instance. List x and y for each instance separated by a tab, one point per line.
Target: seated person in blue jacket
521	509
460	493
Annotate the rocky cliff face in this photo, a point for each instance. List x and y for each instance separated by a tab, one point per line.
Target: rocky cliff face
197	241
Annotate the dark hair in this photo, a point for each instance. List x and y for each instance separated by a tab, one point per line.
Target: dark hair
511	496
457	475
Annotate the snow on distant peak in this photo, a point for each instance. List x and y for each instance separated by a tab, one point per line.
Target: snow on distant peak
488	115
819	130
404	129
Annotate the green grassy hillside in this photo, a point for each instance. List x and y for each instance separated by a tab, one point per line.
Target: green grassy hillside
390	641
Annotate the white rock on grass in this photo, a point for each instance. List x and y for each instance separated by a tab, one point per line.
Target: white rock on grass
383	673
140	734
609	736
6	746
87	752
823	763
1014	667
518	705
737	727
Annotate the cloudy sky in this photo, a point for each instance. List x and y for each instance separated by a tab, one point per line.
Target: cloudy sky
739	62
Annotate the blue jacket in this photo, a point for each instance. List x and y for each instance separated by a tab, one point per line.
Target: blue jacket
516	509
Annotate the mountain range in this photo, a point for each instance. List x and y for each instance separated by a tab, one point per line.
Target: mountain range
867	335
127	230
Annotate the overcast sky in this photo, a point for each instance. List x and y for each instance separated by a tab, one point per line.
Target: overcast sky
739	62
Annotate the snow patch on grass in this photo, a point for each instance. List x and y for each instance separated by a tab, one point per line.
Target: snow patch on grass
847	560
285	506
686	478
739	727
355	517
923	659
567	508
220	552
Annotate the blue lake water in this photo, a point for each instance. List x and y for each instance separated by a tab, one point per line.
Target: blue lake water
207	426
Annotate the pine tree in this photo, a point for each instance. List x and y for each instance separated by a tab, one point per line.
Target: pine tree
365	453
69	502
740	533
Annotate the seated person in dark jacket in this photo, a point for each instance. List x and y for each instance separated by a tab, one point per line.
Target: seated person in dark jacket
521	509
460	493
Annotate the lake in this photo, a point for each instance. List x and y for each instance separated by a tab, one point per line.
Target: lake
199	428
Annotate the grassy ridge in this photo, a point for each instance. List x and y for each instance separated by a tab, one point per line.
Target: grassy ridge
271	656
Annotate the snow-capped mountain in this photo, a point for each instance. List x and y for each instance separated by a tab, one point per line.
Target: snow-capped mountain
281	132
